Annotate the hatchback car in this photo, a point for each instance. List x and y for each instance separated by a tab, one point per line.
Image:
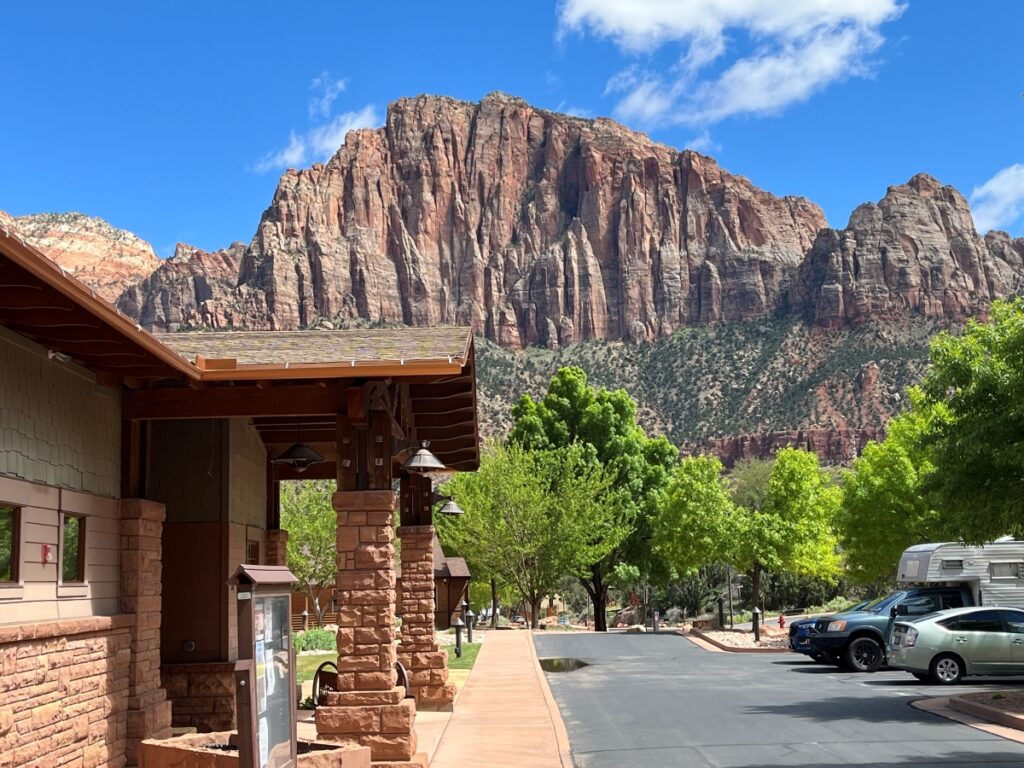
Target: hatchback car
944	647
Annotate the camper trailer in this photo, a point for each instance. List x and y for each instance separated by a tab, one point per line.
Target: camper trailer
993	572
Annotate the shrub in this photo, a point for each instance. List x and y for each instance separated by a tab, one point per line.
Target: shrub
316	639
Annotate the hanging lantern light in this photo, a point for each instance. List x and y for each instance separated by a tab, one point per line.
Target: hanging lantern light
300	456
423	461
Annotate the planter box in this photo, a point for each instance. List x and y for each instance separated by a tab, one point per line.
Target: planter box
219	750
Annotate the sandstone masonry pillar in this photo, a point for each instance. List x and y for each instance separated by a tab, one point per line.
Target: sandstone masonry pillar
277	547
425	662
149	711
369	708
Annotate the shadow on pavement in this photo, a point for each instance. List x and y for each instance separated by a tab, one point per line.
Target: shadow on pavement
863	708
948	759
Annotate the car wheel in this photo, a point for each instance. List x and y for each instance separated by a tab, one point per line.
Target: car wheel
864	654
817	657
946	669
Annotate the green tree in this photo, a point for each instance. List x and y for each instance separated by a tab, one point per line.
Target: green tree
573	412
978	448
532	517
312	524
794	531
885	507
697	523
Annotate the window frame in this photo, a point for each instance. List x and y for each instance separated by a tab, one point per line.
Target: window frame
80	572
993	563
15	579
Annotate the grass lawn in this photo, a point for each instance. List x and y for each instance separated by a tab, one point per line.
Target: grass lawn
306	665
469	653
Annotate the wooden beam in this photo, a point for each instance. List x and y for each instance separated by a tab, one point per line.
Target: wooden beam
225	402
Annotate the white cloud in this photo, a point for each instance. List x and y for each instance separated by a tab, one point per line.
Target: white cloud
703	143
327	90
999	202
799	48
568	109
320	142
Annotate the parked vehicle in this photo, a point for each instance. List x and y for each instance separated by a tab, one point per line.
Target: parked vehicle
857	639
993	572
946	646
801	630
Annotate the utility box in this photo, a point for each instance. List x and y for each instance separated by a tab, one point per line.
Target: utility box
265	670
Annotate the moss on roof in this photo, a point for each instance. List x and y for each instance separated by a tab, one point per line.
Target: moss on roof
312	347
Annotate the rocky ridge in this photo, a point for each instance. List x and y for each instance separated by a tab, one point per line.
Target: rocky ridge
105	258
562	237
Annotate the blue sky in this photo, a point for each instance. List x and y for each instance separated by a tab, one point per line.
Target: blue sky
173	120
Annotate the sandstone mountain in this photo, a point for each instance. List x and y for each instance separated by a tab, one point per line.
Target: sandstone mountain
581	236
102	256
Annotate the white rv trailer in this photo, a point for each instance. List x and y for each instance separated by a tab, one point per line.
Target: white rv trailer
994	572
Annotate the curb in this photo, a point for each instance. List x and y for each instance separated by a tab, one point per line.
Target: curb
986	712
555	715
733	648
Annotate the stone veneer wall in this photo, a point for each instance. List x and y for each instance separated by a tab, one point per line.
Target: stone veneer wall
203	695
57	425
64	692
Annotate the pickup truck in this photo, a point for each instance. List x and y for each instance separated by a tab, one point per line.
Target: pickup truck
857	639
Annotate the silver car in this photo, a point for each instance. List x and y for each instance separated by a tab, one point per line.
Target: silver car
943	647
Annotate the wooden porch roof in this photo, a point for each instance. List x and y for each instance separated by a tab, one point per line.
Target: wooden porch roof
286	382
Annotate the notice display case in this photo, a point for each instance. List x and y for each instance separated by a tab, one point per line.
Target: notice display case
265	670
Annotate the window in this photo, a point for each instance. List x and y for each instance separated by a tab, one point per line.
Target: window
9	535
952	600
979	621
953	565
72	551
1014	621
921	605
252	552
1005	570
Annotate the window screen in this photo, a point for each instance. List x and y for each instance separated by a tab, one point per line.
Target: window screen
1005	570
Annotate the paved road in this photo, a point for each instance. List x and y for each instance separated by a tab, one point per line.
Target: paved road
659	700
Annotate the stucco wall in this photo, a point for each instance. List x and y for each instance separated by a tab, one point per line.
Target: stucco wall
57	425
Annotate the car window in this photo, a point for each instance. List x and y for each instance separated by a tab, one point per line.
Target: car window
1014	621
952	600
920	605
980	621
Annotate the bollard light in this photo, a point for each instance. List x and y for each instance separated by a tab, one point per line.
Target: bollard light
721	613
305	619
757	624
458	624
470	617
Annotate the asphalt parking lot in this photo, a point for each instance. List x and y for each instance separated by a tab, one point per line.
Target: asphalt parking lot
659	700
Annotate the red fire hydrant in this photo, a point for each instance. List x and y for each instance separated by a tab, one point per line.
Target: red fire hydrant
782	621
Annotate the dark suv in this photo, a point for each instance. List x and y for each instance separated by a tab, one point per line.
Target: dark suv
857	639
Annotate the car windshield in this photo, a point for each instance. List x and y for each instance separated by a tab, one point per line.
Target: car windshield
882	604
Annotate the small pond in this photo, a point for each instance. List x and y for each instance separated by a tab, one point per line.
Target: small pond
562	664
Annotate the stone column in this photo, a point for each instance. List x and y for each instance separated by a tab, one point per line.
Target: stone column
149	711
425	662
277	547
369	708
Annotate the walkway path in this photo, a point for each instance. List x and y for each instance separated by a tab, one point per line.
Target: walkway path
505	716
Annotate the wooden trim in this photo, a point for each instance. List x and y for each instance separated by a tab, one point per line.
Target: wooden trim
227	402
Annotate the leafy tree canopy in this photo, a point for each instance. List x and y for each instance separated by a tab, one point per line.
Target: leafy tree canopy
978	448
885	508
312	524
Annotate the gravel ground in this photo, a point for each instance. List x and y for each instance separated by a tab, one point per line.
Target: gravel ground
738	639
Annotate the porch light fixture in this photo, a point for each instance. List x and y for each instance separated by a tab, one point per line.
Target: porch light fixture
423	461
450	508
300	456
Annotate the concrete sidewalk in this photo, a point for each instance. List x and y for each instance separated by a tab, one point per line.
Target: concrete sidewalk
505	716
